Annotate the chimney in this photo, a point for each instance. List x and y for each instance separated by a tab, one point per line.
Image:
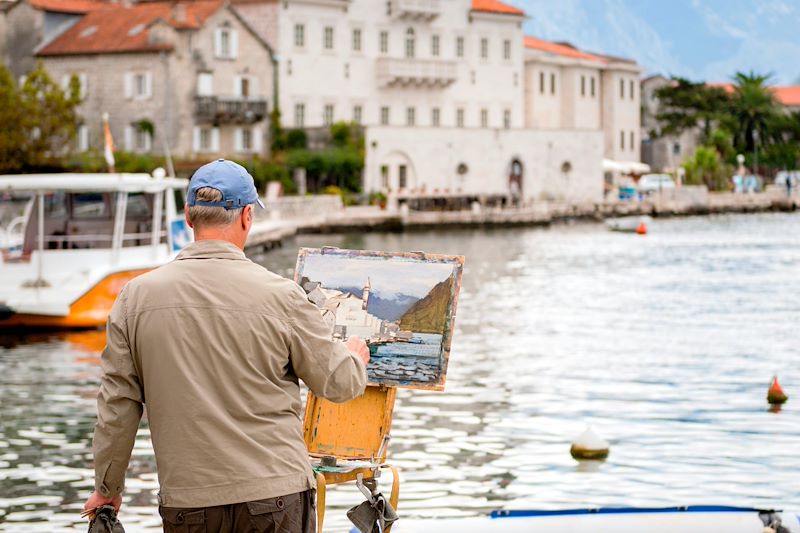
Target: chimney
179	12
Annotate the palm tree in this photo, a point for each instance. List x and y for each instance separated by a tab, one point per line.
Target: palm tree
754	108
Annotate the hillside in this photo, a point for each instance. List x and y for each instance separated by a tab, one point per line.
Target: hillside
429	315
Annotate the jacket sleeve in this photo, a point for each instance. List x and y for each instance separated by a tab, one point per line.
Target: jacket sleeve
325	365
119	406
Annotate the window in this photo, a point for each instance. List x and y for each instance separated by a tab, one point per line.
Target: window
358	113
460	117
622	88
459	47
385	176
484	48
247	139
384	42
676	149
299	115
89	205
327	38
541	82
516	79
633	89
288	67
226	43
622	140
385	116
592	83
403	176
242	87
299	35
327	115
410	43
138	85
83	138
82	84
347	71
206	139
436	117
142	140
246	142
552	83
507	118
506	49
435	46
633	140
205	84
484	118
357	40
411	116
583	85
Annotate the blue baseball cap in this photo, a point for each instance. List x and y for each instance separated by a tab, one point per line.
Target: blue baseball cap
231	179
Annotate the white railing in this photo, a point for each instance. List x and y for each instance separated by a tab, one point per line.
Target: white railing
416	8
405	71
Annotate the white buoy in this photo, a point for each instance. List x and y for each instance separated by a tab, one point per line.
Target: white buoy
589	445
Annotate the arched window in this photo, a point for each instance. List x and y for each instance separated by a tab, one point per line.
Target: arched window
410	42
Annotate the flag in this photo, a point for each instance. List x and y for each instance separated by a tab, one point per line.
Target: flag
108	144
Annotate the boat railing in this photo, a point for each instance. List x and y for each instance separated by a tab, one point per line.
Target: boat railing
66	239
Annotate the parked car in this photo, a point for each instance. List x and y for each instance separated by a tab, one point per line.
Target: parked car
784	175
655	182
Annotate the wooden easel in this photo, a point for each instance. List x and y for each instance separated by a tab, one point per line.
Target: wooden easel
355	435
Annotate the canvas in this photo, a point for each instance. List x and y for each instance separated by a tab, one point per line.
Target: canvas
402	304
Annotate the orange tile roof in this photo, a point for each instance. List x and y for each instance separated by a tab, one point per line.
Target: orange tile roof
117	28
493	6
67	6
788	95
562	50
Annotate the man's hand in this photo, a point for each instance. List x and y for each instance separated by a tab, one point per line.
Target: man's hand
358	348
96	500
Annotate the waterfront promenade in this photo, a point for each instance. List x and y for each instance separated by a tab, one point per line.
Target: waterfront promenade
290	216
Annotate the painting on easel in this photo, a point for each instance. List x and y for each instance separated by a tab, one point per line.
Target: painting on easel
402	304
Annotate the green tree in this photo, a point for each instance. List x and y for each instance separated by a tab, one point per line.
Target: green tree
49	118
753	108
12	137
685	105
705	167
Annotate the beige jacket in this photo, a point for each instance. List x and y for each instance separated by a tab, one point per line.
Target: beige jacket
213	345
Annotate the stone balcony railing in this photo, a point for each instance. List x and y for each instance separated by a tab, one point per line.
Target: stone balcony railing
415	9
229	110
406	72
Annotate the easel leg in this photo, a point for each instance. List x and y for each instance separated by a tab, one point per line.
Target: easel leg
394	497
320	501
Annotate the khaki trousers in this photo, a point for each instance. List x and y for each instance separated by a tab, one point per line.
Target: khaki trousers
293	513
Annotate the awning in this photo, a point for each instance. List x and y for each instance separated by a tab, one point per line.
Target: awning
625	167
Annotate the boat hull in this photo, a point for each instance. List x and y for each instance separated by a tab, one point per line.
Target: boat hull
90	310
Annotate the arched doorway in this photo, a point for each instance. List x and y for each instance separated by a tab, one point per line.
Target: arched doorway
516	173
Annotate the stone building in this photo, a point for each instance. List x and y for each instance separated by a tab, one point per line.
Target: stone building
190	77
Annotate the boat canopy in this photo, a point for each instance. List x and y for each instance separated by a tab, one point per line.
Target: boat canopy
130	183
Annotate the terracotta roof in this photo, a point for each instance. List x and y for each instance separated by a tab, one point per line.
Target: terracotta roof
562	49
117	28
788	95
493	6
67	6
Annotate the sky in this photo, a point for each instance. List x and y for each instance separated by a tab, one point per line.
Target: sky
708	40
388	277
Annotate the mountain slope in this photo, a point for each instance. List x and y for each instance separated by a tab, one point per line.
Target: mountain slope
429	315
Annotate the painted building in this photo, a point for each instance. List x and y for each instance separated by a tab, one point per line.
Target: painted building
190	77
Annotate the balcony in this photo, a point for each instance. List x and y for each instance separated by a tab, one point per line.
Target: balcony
415	9
402	72
229	110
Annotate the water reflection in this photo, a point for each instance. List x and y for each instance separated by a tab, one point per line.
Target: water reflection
665	344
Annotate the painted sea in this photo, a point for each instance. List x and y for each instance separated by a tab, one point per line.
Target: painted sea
406	362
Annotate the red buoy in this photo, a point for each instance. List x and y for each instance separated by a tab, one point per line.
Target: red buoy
641	229
775	395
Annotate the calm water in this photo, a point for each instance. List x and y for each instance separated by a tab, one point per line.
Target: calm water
664	343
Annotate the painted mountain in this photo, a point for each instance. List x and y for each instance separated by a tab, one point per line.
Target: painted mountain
383	307
429	315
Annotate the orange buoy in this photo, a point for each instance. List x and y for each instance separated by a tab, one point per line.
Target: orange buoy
775	395
641	229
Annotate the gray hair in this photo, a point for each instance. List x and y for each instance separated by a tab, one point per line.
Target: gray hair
203	215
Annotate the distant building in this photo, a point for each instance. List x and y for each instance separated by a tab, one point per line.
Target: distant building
191	73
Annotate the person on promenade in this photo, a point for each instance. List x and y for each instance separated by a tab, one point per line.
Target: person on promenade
213	345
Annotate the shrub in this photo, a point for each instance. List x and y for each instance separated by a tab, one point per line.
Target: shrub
296	139
705	167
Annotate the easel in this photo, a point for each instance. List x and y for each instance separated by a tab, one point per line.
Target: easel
349	442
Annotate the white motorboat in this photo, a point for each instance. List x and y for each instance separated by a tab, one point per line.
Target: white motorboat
632	224
615	520
80	239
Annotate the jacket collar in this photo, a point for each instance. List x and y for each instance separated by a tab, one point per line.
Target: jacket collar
211	250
